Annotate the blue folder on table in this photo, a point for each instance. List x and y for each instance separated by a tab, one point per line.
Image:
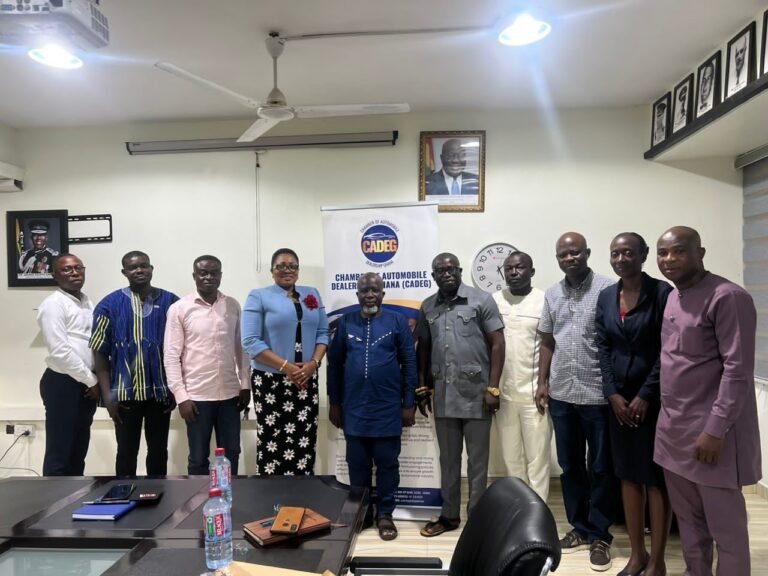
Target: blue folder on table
103	511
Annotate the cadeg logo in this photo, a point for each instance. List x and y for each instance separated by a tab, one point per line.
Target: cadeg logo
379	243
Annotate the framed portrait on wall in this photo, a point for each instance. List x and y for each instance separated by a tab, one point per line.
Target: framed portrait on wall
708	87
682	104
763	59
34	238
452	170
740	61
660	119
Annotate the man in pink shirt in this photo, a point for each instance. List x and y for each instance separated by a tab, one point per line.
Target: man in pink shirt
207	371
707	437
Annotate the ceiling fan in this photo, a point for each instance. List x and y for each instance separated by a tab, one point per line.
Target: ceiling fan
276	109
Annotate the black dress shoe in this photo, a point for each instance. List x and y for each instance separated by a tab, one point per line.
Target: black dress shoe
638	573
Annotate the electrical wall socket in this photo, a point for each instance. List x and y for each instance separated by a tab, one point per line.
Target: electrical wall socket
19	429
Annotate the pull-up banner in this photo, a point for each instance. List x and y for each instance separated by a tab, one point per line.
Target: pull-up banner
398	242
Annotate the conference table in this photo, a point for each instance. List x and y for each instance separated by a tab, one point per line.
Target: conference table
39	536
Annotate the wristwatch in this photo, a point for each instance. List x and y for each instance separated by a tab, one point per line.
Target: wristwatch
318	362
493	391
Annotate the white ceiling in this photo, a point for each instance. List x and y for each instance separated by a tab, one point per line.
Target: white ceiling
601	53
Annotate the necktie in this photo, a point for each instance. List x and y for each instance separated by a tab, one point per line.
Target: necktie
455	188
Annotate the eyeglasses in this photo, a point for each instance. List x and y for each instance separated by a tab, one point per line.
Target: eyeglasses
447	270
286	267
70	269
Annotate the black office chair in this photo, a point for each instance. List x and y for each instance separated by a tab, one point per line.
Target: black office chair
511	532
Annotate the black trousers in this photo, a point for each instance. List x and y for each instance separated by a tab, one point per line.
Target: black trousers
68	418
156	419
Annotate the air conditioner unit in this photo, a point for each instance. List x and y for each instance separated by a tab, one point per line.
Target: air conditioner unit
11	185
33	22
11	178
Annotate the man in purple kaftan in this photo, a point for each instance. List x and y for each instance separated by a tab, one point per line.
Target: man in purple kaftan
707	438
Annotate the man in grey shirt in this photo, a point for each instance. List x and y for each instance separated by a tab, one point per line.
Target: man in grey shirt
571	386
460	358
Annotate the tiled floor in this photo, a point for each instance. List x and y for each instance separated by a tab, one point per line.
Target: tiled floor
410	543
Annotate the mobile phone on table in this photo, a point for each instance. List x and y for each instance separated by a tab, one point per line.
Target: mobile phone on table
118	492
288	520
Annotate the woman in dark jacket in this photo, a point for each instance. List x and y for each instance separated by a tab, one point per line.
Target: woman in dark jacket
628	323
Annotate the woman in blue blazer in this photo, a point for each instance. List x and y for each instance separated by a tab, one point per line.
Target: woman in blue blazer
628	324
285	332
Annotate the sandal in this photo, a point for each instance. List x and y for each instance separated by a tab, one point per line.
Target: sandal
437	527
387	528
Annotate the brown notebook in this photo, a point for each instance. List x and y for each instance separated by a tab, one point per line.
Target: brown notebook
259	530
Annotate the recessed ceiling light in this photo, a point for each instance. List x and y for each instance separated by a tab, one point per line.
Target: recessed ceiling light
55	56
524	30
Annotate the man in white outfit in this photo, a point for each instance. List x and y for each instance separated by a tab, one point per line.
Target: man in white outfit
524	434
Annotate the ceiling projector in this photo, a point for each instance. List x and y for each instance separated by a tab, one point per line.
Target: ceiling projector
33	22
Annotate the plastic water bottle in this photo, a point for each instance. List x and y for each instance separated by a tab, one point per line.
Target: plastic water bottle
218	531
221	475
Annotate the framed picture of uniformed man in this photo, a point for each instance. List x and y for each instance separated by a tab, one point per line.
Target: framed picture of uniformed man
740	61
708	87
660	123
452	170
35	238
682	104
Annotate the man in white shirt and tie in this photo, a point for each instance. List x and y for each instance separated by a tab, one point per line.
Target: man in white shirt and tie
68	387
452	179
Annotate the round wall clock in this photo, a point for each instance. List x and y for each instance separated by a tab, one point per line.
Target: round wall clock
488	266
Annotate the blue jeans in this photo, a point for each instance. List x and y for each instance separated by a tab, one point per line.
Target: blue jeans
362	453
223	416
589	495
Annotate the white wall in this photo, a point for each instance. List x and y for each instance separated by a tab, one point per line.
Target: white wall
761	390
582	170
9	152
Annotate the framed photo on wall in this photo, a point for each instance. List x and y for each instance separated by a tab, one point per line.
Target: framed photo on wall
740	61
660	123
708	87
763	59
452	170
35	237
682	104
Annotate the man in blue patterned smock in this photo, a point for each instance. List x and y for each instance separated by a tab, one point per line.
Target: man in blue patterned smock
460	356
371	388
571	386
127	340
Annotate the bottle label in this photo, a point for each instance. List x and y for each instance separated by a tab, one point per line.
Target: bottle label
215	525
214	477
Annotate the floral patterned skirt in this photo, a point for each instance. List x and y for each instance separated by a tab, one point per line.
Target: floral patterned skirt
286	423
